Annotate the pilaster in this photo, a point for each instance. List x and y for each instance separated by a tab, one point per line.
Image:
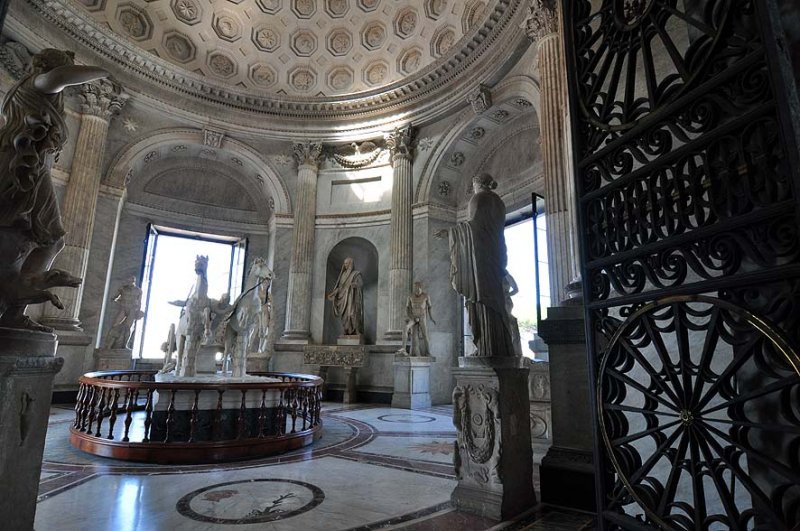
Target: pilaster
298	303
400	144
101	100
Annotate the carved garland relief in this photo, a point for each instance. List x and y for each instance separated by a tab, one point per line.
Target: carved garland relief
476	416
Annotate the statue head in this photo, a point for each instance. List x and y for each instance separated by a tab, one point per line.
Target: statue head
348	264
132	280
418	288
483	183
260	270
50	58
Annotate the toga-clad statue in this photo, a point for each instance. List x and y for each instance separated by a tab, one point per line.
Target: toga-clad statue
418	311
348	299
129	310
31	232
478	267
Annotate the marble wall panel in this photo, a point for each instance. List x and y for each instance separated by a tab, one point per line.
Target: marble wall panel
354	191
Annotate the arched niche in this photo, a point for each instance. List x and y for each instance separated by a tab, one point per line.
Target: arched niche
365	259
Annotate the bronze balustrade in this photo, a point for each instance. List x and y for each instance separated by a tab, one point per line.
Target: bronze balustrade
172	423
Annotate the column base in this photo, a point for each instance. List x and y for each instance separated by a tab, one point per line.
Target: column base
493	459
393	336
27	368
295	337
567	479
120	359
62	323
412	382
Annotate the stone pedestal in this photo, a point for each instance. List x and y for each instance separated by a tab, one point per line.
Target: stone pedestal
357	339
493	460
74	347
206	360
257	362
412	386
27	367
541	416
117	359
567	471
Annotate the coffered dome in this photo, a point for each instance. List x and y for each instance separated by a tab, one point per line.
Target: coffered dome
311	48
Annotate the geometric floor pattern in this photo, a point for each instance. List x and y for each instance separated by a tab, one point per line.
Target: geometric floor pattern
375	467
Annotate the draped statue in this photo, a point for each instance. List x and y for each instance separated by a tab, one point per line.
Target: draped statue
478	268
348	299
31	232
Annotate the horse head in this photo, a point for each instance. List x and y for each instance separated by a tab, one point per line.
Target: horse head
201	264
259	271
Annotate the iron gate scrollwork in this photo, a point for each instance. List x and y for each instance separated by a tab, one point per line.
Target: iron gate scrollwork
686	172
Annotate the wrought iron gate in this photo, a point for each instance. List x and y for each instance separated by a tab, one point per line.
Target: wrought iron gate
687	176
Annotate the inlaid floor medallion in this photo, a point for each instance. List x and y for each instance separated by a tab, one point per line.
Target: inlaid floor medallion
408	418
250	502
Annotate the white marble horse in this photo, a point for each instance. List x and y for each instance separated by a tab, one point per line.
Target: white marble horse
247	327
191	326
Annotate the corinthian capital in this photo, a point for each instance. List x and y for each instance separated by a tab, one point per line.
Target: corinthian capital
542	19
103	98
308	153
400	143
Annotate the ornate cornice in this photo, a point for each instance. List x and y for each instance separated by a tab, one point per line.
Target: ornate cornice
430	91
401	143
308	153
542	19
102	98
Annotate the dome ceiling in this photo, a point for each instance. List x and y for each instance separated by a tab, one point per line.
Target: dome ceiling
306	48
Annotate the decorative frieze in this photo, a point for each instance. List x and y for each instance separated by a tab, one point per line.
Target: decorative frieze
335	356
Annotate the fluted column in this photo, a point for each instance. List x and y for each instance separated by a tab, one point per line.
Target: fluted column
100	100
542	26
401	244
298	303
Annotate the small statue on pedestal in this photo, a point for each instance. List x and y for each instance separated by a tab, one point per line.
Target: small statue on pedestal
169	347
348	299
129	303
31	232
418	311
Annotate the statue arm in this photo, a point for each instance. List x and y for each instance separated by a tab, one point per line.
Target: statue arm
512	284
61	77
428	308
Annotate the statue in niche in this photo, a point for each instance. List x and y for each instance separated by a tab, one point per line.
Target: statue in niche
129	310
510	289
418	311
30	220
191	326
348	299
478	266
247	325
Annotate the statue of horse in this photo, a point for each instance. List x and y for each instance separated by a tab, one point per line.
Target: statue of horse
247	327
191	326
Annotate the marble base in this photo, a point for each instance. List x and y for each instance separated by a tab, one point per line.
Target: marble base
493	461
27	368
258	362
350	340
295	337
208	400
412	382
206	360
113	359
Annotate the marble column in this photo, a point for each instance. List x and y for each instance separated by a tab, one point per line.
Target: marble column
542	26
298	303
399	143
100	101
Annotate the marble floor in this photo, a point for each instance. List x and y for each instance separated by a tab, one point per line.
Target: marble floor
374	468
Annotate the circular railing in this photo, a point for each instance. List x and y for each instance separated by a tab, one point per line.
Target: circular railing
128	415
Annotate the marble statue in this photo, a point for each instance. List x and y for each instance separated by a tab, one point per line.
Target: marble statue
191	326
31	232
214	317
247	327
418	311
169	347
510	289
478	266
348	299
129	310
